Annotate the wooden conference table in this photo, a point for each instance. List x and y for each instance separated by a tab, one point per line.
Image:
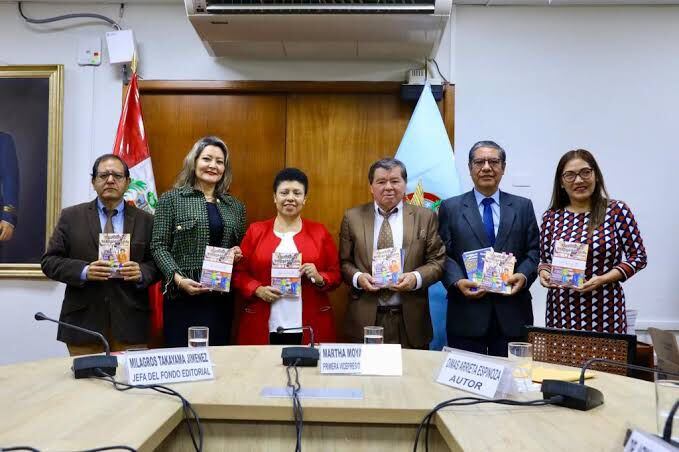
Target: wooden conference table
43	406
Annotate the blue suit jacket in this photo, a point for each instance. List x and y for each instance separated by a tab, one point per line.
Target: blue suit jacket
9	180
461	228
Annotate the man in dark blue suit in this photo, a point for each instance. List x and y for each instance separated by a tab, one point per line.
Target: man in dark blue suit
480	321
9	187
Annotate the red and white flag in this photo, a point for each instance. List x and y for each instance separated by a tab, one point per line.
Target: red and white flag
132	147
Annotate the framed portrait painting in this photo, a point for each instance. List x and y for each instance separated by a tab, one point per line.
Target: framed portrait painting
31	112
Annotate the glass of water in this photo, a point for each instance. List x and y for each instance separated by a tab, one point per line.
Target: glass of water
521	354
199	336
373	335
666	395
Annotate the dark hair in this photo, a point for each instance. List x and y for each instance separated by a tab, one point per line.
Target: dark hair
387	163
106	157
187	176
599	201
292	175
488	144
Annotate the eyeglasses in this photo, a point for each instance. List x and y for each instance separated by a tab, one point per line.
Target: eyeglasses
480	163
585	174
103	177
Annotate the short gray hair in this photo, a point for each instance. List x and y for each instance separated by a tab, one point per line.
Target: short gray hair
187	176
388	164
488	144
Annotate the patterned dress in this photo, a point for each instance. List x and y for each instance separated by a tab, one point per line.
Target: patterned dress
616	243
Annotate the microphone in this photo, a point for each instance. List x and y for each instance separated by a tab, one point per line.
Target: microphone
582	397
300	356
88	366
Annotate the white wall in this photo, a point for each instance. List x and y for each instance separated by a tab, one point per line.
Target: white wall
538	80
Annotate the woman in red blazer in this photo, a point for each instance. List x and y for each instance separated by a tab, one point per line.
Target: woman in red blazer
266	309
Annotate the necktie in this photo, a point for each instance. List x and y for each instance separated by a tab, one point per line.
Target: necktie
488	224
385	238
108	227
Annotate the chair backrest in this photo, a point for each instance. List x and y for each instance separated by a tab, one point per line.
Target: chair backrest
574	347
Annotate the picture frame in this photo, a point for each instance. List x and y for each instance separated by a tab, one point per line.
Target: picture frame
31	128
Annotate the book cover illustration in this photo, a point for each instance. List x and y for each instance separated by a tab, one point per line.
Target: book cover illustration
497	268
473	263
387	266
285	273
217	268
569	261
114	249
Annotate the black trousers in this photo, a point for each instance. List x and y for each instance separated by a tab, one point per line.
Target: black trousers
285	338
493	343
213	310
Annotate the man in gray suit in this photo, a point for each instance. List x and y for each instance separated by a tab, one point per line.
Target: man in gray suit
477	320
117	308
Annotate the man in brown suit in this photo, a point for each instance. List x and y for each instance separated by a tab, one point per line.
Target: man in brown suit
117	308
403	309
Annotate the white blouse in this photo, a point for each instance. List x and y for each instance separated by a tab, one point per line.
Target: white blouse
286	311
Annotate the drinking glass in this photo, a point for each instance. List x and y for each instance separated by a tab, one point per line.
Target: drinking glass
521	353
373	335
666	395
199	336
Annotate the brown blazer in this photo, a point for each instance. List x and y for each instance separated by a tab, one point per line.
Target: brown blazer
96	304
424	252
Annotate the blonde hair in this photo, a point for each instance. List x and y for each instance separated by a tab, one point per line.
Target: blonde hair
187	176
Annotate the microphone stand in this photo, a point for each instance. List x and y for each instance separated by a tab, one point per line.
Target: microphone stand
88	366
300	356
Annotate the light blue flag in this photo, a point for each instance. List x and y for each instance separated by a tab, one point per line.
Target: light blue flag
432	177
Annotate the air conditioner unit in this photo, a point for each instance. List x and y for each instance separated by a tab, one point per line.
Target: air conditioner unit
320	29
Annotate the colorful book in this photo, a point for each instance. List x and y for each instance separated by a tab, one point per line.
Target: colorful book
497	268
569	261
217	268
285	273
114	249
473	263
387	266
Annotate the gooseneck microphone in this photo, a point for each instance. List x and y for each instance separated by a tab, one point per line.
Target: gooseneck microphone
300	356
582	397
88	366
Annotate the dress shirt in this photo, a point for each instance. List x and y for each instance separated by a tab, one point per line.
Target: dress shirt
495	207
396	223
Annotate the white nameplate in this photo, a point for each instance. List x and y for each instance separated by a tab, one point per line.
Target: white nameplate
341	358
361	359
475	375
640	441
172	365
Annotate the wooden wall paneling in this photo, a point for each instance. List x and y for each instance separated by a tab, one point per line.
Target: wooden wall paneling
252	126
334	138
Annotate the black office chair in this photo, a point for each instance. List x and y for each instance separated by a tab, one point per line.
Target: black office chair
575	347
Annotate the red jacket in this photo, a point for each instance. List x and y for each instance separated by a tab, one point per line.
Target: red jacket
254	270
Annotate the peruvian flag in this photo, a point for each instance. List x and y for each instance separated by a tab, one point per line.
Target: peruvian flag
132	147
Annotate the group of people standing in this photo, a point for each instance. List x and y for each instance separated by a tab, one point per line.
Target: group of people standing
199	211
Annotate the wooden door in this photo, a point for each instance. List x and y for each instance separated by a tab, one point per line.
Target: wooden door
334	138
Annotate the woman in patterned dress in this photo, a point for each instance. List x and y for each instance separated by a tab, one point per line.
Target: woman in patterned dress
581	212
197	212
